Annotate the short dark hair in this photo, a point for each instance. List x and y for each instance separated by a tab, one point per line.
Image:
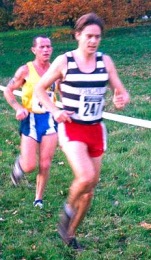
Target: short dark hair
88	19
34	42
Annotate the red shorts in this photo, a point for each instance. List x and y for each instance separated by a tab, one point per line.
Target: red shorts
94	136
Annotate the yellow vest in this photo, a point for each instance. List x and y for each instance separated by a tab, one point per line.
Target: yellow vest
27	91
28	87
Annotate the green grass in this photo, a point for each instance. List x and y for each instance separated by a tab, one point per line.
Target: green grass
111	228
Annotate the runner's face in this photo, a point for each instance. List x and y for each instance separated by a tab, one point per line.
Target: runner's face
43	49
89	38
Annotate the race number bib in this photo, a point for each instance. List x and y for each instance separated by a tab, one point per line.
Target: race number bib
37	106
90	107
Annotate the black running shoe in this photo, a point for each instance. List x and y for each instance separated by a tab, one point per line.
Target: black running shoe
17	173
75	245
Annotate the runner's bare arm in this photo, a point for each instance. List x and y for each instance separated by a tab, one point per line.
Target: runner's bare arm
56	72
121	95
15	83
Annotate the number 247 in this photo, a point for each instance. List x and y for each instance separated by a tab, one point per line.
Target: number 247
92	108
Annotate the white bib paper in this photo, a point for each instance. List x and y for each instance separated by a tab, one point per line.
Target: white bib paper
37	107
90	107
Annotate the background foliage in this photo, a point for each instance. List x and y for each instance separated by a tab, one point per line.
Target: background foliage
26	14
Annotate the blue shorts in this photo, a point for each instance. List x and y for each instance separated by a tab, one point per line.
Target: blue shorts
38	125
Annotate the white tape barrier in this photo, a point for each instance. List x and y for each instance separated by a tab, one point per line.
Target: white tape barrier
127	120
109	116
16	92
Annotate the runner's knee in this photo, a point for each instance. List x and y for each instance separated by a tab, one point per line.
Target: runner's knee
88	196
44	166
86	183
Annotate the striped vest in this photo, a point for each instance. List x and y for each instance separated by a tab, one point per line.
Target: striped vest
84	93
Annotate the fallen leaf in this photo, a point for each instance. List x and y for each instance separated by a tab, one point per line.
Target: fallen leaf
15	212
61	163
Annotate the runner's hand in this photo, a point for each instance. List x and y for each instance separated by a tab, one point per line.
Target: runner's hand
120	100
21	113
62	116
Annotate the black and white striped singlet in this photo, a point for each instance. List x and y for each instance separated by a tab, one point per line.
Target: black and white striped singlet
84	93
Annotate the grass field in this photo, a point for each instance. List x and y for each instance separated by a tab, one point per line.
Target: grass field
111	229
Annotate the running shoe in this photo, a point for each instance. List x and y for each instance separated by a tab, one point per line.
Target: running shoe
75	245
63	232
17	173
38	203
